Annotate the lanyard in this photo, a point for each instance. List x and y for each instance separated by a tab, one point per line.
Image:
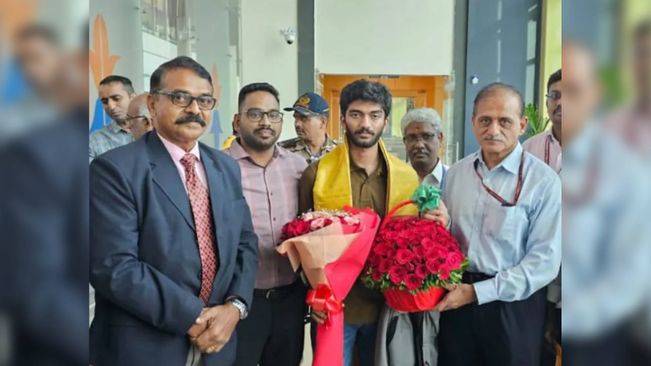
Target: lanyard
548	142
518	188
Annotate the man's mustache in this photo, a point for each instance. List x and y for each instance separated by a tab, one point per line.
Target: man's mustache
492	138
266	129
419	151
364	130
189	119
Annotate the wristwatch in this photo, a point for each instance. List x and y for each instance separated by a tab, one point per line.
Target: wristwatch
240	306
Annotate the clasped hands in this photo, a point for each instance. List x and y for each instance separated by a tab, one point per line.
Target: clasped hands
214	327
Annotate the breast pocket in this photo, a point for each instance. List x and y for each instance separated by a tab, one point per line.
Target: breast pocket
506	225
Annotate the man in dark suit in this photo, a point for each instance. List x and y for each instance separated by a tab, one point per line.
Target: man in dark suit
173	252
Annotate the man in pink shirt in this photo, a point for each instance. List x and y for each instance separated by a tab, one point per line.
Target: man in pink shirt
546	146
273	332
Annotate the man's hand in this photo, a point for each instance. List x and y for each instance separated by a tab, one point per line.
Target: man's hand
197	328
319	316
458	296
439	215
220	322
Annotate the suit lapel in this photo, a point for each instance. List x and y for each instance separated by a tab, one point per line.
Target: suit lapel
215	177
167	177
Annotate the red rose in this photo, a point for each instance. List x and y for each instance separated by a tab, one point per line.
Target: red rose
433	265
377	276
397	275
384	265
413	282
427	243
453	260
444	273
381	249
420	252
436	252
404	256
422	271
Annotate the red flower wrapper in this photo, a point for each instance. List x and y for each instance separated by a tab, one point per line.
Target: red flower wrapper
411	260
331	247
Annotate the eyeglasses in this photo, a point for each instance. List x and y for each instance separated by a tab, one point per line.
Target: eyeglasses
183	99
131	118
555	95
256	115
425	137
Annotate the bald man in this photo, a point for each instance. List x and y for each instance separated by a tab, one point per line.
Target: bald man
138	116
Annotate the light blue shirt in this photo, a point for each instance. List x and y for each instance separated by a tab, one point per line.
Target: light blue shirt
520	246
606	232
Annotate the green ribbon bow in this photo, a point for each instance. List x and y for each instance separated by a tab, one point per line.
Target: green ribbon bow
427	197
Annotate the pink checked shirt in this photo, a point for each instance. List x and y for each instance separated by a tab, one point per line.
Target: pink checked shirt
538	146
272	195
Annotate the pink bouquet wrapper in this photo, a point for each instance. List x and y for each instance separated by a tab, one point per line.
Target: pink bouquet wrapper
332	259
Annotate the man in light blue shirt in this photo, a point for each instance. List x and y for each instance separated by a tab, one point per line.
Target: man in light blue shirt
505	212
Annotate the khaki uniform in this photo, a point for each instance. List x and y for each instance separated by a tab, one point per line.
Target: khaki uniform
298	146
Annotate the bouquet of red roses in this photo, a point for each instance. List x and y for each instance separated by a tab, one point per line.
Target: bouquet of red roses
331	247
412	259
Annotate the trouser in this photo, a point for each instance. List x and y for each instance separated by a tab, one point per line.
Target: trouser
273	333
497	333
361	337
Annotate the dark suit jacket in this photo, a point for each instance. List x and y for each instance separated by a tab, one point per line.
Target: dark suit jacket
144	259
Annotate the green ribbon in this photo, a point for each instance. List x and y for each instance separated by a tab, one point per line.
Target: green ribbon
427	197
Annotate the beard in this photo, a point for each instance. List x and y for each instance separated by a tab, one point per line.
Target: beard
260	144
354	138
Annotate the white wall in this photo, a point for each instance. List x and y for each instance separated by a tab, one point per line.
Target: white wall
265	55
405	37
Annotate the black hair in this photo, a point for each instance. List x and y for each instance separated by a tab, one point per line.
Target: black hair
367	91
126	83
39	31
254	87
492	88
554	78
181	62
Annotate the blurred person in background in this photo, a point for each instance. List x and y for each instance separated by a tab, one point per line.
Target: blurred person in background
546	146
138	116
115	92
605	227
40	60
633	122
44	221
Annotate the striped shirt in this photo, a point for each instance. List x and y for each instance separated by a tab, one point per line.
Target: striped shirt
107	138
272	195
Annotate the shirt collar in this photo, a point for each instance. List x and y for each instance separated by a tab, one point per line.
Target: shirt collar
176	152
511	163
303	146
115	128
379	171
554	140
437	173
